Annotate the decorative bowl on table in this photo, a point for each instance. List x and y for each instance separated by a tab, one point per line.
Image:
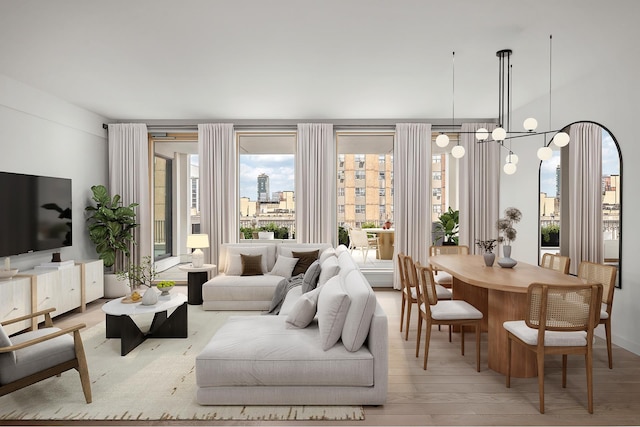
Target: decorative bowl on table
8	274
165	286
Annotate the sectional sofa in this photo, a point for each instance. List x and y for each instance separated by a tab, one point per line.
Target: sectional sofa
328	346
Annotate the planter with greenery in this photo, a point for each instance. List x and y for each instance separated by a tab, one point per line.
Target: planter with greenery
448	227
111	227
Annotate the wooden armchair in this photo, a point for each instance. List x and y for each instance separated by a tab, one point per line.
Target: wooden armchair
33	356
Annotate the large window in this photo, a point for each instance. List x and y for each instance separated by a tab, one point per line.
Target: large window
365	162
444	177
266	183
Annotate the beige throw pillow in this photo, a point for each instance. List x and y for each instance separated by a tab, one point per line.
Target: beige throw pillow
333	306
304	310
284	266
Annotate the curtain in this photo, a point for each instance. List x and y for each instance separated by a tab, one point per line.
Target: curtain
585	195
412	193
218	155
479	187
129	177
316	184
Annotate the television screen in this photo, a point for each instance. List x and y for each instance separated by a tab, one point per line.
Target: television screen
35	213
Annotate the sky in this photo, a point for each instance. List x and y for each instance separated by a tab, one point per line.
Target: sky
610	165
279	167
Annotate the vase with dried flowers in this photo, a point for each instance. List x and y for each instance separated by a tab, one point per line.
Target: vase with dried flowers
487	250
507	235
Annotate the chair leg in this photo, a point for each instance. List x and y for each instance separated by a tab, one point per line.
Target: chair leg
607	330
588	361
564	371
449	333
478	346
427	339
406	331
419	333
82	366
508	376
540	357
462	340
402	310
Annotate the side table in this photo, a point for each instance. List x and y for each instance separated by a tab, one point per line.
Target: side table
196	276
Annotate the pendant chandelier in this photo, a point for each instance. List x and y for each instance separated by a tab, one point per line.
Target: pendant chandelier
503	132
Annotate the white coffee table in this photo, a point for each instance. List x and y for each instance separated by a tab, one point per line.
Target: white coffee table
119	323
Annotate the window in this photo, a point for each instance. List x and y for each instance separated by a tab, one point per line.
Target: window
381	176
435	158
266	183
341	209
360	174
437	192
360	209
359	160
360	191
437	209
382	191
340	191
444	178
437	176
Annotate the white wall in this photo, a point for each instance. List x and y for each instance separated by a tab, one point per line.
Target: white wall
43	135
609	97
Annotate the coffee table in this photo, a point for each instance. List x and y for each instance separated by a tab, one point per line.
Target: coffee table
119	323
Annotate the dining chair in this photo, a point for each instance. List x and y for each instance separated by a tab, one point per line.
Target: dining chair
560	319
438	312
409	294
605	275
556	262
359	239
29	357
442	277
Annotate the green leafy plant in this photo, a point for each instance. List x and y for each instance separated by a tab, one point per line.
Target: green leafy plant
448	226
111	227
139	274
550	235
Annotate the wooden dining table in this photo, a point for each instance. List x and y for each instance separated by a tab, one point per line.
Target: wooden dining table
385	242
501	295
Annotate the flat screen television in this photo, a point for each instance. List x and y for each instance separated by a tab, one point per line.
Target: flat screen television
35	213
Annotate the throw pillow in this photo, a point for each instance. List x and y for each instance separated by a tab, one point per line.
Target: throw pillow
328	269
310	279
251	265
363	304
304	310
284	266
305	259
233	266
333	306
326	254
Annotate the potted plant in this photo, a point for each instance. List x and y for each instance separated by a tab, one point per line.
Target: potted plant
138	275
111	226
487	250
448	226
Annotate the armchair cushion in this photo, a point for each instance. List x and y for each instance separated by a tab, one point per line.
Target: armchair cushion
36	358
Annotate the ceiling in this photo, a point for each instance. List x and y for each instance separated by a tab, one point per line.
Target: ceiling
302	59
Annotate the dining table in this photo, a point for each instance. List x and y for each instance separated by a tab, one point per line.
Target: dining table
385	242
501	295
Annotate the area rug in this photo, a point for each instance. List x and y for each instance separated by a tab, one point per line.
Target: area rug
155	381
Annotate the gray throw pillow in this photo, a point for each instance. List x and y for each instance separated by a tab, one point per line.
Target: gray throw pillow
311	276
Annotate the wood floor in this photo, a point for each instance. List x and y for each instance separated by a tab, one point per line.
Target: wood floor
451	392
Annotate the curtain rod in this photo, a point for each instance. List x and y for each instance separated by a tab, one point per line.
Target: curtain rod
381	126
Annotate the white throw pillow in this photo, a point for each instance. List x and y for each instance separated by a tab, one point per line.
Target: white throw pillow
328	269
284	266
363	304
304	310
234	261
326	254
333	306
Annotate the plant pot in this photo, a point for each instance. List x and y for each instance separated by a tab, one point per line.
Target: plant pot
114	288
489	258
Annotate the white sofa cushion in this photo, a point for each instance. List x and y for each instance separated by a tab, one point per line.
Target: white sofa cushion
333	306
284	266
271	354
237	248
346	264
363	304
328	269
234	261
241	288
304	310
326	254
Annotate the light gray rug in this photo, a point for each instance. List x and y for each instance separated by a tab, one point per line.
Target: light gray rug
156	381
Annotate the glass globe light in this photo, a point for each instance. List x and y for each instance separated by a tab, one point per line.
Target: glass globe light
545	153
457	151
442	140
512	158
561	139
482	134
530	124
499	134
509	168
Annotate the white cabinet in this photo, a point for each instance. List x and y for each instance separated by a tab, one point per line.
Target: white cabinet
92	274
15	301
60	289
69	288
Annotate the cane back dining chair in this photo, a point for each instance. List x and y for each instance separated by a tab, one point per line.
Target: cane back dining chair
560	319
442	277
443	312
605	275
32	356
556	262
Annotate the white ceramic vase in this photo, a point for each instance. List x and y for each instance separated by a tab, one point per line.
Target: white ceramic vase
150	297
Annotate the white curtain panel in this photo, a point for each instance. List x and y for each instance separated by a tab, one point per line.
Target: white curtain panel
218	186
479	187
316	219
129	177
585	195
412	193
